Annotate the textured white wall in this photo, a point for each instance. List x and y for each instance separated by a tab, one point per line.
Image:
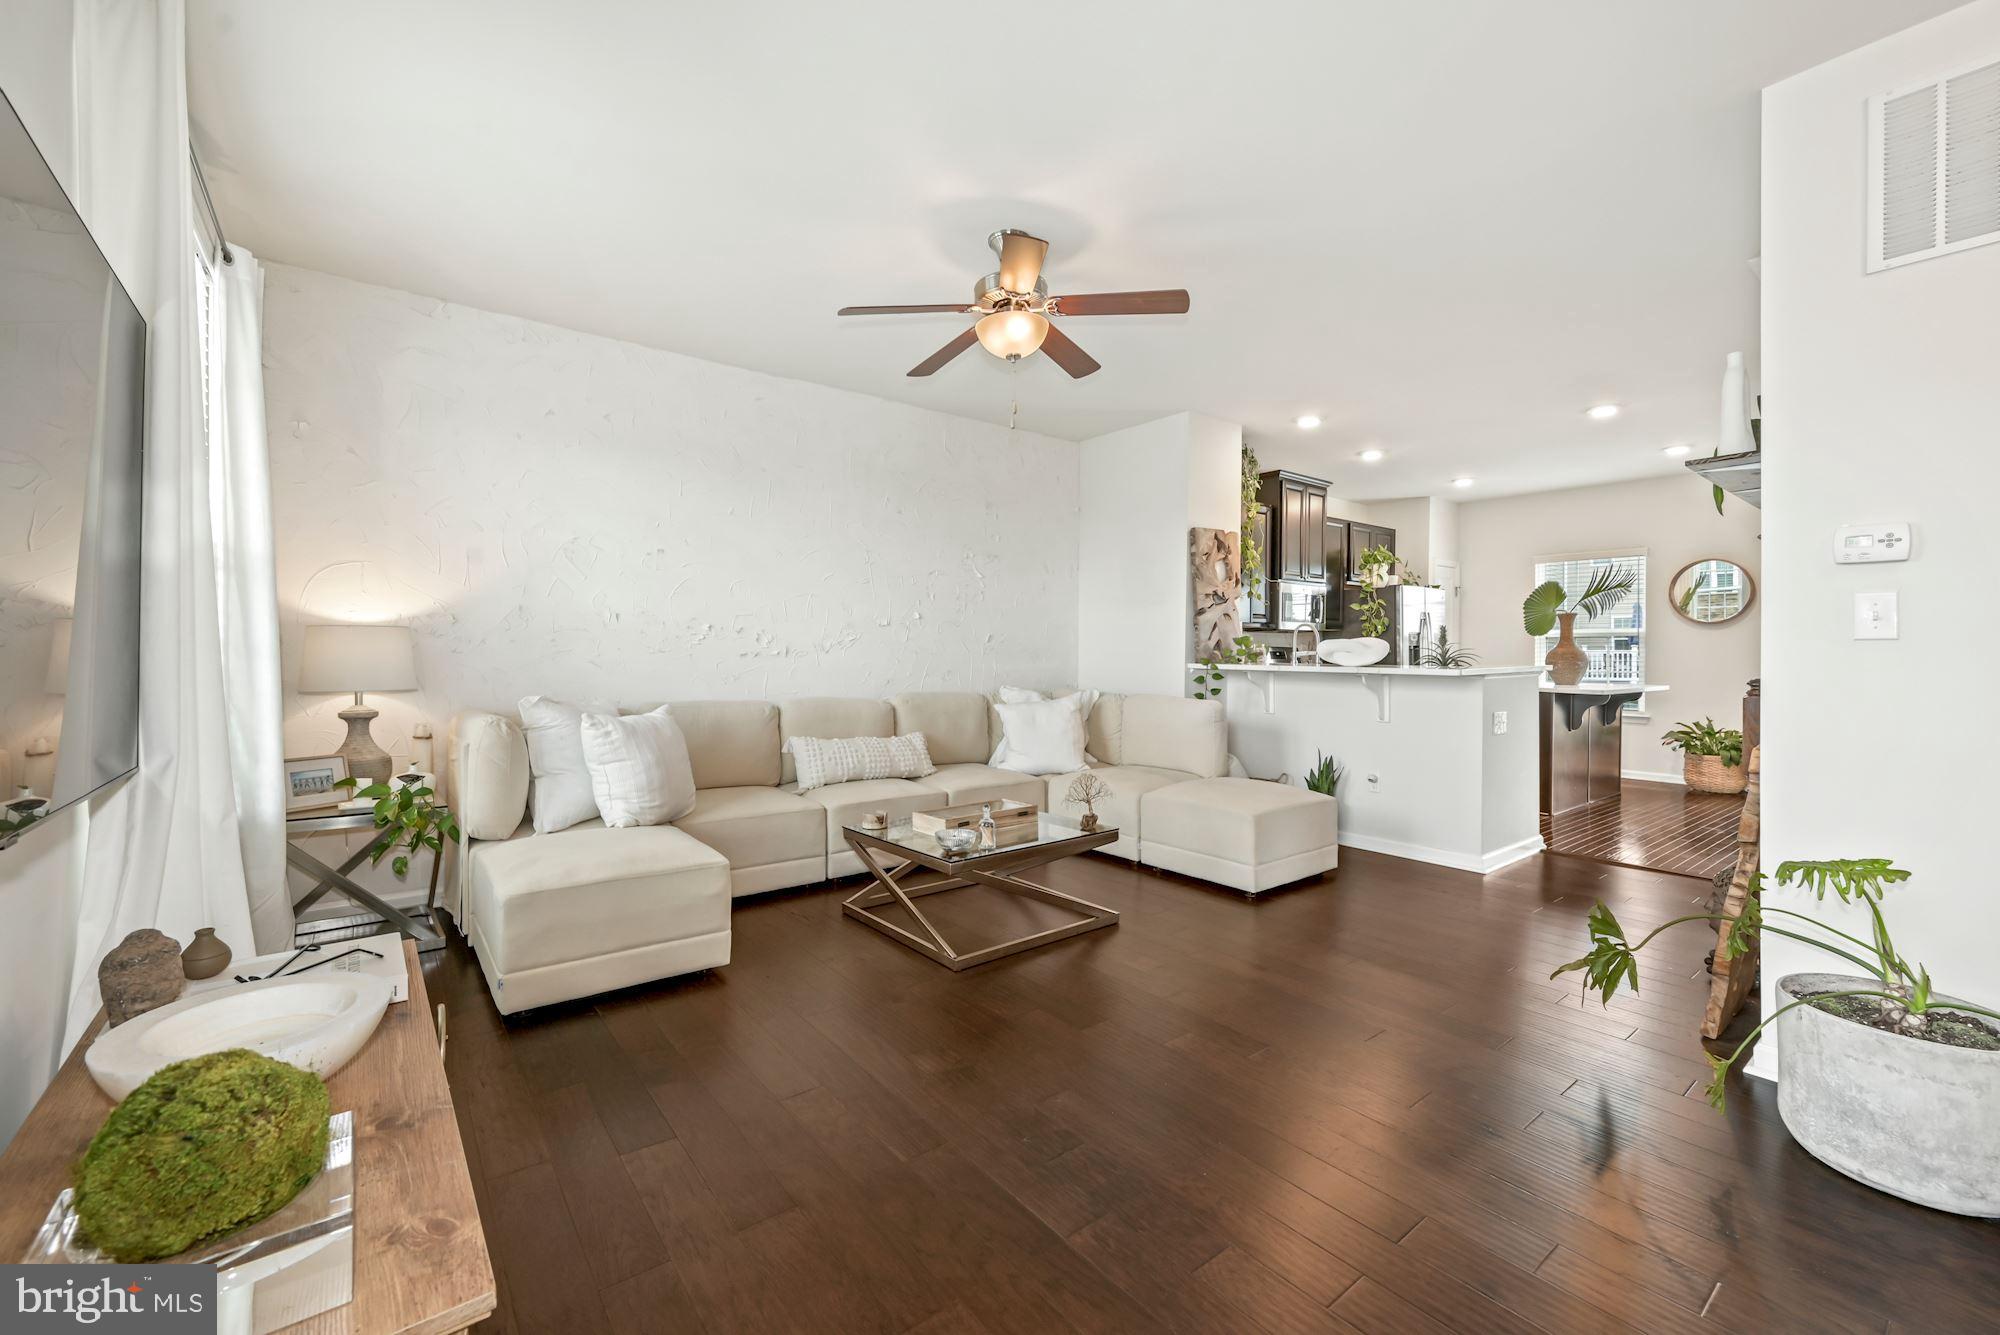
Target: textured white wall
1881	400
557	512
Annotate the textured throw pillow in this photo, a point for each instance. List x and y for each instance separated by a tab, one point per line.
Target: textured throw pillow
639	770
1043	736
1084	700
561	796
828	760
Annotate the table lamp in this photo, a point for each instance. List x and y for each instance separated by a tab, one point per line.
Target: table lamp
360	658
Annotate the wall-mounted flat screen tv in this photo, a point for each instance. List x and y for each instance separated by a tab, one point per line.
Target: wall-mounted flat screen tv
72	428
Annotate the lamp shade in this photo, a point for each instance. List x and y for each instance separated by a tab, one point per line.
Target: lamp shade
359	658
57	680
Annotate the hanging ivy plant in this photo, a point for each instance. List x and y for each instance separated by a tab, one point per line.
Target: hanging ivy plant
1252	554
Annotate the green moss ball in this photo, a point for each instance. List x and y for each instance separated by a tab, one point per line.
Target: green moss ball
203	1148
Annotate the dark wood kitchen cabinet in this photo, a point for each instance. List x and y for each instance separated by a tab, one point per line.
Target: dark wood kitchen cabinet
1360	537
1296	508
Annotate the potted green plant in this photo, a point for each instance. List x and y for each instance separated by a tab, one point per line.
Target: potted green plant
1711	757
1881	1076
1208	675
419	821
1445	654
1325	776
1377	566
1549	606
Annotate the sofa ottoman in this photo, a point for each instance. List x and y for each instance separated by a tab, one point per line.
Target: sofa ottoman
1242	833
589	909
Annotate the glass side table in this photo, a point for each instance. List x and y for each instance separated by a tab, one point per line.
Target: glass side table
420	925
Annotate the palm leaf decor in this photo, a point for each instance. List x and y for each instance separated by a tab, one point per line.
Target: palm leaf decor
1538	609
1610	586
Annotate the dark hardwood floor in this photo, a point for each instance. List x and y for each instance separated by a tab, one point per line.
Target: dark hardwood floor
1354	1105
1658	826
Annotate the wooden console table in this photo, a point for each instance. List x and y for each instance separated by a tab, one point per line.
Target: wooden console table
420	1262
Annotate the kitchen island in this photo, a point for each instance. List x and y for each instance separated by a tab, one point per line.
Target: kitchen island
1440	762
1583	742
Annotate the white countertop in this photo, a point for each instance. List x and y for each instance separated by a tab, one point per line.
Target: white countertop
1376	670
1605	688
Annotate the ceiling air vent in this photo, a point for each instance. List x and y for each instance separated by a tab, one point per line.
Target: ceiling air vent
1934	168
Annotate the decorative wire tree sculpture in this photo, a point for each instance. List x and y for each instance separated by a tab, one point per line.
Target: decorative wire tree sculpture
1087	791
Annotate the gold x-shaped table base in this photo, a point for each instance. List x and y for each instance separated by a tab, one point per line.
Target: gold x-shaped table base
916	874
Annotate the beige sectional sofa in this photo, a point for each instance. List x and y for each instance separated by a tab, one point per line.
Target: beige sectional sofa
589	909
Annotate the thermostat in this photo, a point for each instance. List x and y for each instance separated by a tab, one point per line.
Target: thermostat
1854	544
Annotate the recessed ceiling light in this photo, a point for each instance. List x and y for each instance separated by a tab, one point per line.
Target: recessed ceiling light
1603	412
1676	451
1461	482
1372	456
1308	421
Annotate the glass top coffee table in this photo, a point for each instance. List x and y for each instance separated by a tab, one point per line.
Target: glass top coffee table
907	865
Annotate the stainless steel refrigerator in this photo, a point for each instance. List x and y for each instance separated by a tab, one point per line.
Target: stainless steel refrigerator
1416	616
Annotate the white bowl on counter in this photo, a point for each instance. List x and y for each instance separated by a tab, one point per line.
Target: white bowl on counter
314	1023
1353	653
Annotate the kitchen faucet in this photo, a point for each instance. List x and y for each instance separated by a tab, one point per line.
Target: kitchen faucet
1295	642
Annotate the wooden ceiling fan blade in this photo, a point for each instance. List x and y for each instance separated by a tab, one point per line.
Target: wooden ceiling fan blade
1021	259
944	354
957	308
1162	301
1064	352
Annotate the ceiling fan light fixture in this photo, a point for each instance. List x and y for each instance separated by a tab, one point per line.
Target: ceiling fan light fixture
1012	334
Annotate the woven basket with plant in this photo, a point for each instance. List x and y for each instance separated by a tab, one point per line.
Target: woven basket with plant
1712	757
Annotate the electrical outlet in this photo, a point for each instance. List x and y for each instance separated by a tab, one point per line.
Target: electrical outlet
1875	616
1374	783
1499	722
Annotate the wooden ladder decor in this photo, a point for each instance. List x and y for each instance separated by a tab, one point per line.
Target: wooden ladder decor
1730	980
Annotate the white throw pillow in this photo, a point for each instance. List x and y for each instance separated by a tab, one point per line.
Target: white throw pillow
562	794
1043	736
1084	700
821	761
639	770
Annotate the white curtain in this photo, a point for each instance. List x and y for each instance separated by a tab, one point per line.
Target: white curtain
167	850
246	591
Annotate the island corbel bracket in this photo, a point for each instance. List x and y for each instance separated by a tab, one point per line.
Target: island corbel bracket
1378	684
1576	706
1268	686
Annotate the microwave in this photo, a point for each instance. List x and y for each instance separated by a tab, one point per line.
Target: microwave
1297	603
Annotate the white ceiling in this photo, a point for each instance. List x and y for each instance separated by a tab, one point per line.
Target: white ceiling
1446	227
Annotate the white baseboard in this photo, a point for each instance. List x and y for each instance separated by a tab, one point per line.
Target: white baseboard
1648	776
1483	864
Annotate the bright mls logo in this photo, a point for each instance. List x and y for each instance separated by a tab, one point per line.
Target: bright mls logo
163	1299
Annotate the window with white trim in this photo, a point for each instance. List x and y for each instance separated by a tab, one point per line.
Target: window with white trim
1616	641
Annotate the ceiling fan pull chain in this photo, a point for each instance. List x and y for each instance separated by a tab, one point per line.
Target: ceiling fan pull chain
1014	384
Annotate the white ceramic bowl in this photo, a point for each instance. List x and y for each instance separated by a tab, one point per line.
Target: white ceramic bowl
314	1023
1353	653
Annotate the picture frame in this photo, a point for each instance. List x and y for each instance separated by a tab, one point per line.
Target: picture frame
310	780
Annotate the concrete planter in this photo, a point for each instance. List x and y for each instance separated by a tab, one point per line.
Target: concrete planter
1905	1116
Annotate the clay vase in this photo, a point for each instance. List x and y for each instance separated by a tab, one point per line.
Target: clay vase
206	956
141	972
1567	663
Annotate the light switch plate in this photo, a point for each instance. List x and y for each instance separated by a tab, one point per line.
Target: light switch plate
1875	616
1499	722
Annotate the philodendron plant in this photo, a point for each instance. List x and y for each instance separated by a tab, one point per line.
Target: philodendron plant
419	822
1903	996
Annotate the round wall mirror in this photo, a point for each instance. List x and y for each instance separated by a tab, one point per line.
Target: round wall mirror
1712	591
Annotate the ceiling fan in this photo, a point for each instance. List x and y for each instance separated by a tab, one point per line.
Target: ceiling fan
1015	310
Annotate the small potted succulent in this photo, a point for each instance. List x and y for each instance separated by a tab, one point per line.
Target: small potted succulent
1711	757
1881	1076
